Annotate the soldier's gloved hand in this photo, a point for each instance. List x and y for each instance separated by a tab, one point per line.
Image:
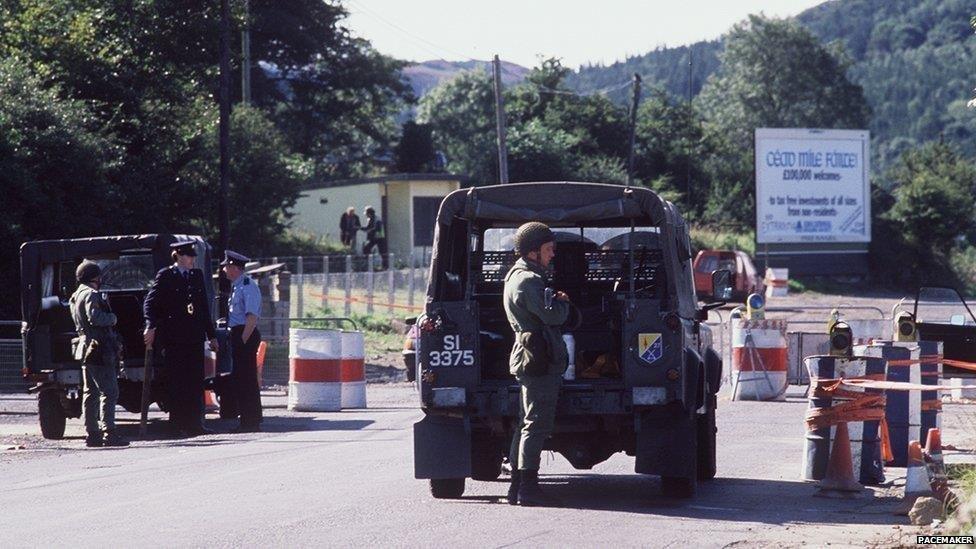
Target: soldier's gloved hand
214	346
561	296
148	336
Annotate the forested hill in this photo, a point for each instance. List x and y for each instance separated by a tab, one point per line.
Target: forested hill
914	59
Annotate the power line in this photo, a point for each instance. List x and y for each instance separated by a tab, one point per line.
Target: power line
421	41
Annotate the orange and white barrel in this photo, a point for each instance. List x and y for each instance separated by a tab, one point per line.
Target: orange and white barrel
759	359
314	373
777	282
353	370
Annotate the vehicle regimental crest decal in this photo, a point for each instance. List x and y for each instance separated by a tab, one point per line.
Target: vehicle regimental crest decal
650	347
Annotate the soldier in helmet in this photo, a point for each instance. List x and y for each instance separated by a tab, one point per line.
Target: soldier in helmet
177	306
538	358
375	236
98	349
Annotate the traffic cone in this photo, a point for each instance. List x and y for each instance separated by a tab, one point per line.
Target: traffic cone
208	402
839	481
938	481
916	480
933	448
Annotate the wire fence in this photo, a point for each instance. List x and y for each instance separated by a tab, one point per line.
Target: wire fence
11	365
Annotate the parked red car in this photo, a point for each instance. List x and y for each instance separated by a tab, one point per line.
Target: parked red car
745	278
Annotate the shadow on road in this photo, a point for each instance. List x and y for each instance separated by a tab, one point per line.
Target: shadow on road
731	499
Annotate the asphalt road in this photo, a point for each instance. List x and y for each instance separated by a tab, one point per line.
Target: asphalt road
346	479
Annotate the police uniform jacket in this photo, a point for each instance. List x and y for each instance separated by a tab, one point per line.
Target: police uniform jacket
178	307
525	308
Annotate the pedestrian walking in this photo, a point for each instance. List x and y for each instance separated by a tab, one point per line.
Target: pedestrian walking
177	307
375	236
244	308
538	358
98	348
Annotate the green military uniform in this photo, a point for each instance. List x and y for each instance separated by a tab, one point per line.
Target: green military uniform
525	307
97	348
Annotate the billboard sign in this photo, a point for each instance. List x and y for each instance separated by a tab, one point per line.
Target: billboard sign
812	186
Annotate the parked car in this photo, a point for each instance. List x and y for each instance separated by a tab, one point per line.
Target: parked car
745	278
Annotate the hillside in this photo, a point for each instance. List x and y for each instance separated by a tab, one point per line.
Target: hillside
914	59
426	75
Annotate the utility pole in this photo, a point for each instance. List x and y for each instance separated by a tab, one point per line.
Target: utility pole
633	128
688	196
224	221
246	54
500	122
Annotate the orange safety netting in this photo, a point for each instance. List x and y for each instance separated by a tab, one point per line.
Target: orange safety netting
861	406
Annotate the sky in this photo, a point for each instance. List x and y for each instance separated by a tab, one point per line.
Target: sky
579	32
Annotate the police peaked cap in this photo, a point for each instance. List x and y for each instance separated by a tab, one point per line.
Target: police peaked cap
531	236
87	271
234	258
184	247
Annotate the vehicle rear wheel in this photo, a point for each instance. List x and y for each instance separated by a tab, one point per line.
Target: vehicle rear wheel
51	414
706	442
446	488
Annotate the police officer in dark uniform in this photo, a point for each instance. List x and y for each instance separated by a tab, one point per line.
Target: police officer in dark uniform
177	307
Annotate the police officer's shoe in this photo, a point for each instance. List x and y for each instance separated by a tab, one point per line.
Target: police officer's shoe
112	439
94	441
513	489
198	431
529	492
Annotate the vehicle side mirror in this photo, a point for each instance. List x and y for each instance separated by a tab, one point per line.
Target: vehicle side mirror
722	285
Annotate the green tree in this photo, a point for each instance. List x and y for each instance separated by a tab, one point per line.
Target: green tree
775	74
55	166
415	151
931	216
461	114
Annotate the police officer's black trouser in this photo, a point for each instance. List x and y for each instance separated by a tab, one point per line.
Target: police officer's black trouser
184	362
245	375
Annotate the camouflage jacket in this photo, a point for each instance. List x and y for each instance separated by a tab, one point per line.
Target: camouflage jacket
94	321
525	308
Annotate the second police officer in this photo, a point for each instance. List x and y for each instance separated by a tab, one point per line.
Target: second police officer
244	310
178	322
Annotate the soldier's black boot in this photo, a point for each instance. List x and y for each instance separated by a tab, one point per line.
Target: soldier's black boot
513	489
529	492
112	439
94	441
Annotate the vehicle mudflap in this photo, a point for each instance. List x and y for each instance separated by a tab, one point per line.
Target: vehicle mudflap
666	445
442	447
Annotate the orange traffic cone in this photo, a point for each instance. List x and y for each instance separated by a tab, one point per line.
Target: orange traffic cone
208	401
916	480
840	481
933	448
938	480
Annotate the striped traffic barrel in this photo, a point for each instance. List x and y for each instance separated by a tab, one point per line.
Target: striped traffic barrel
353	370
314	373
903	409
930	367
759	359
865	436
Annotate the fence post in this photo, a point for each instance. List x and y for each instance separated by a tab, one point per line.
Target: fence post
348	285
390	281
410	274
300	302
369	288
325	281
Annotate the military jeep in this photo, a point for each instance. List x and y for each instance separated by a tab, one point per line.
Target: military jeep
47	274
645	371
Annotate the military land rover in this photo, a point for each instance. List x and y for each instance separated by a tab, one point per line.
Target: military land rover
645	371
129	265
